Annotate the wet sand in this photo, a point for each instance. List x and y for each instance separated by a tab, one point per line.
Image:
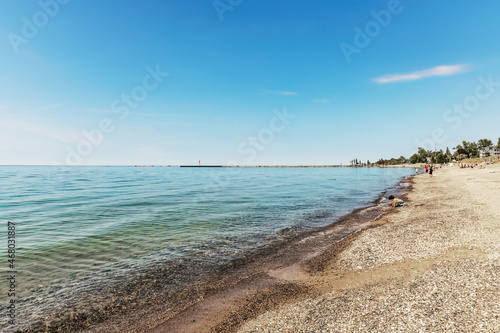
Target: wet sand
431	266
194	296
239	291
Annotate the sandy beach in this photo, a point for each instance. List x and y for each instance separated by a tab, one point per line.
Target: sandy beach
230	166
433	265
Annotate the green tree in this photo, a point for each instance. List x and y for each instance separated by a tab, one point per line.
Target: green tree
414	159
498	144
458	147
448	153
483	143
423	154
402	160
474	149
466	144
441	158
461	151
471	148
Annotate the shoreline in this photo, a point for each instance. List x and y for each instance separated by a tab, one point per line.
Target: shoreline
167	287
277	280
274	266
433	265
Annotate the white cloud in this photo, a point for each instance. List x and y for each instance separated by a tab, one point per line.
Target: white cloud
132	113
436	71
146	129
43	108
34	128
321	100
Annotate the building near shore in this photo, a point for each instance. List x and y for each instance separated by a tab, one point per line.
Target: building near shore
489	151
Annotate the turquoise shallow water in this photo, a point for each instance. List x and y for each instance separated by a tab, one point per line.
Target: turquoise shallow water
84	225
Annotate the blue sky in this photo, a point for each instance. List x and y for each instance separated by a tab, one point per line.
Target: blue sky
244	82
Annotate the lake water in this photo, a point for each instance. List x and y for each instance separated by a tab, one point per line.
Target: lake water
79	227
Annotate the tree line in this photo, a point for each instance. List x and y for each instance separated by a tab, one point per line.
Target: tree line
462	151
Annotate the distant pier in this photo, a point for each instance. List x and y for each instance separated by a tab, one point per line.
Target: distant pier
201	166
281	166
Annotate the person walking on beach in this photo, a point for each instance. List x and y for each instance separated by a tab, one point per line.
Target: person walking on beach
396	202
426	168
416	171
430	171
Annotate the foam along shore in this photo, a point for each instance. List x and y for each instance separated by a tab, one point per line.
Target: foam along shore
433	265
